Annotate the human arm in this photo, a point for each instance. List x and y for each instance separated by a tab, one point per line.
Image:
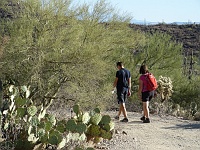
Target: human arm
115	83
140	89
129	86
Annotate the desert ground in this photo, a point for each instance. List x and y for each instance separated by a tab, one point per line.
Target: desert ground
163	133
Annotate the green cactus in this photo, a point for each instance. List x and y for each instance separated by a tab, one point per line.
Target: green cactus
48	125
94	130
81	128
44	138
34	121
54	137
86	118
26	91
32	110
71	125
109	127
97	110
105	134
112	125
53	140
76	109
96	119
21	112
105	119
41	132
97	140
52	119
39	127
23	144
19	102
60	127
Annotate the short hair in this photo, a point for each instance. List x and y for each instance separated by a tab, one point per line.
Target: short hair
143	69
119	63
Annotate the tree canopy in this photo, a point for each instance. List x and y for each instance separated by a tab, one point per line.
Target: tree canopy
68	53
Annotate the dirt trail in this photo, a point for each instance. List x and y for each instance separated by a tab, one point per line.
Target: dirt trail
163	133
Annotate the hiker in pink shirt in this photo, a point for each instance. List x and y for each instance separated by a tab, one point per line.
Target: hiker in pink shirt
144	94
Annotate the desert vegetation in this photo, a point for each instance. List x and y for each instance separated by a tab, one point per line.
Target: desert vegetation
65	54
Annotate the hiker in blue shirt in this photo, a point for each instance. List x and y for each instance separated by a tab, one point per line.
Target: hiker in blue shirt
123	84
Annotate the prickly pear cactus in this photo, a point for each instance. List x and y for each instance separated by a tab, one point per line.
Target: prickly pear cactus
94	130
71	125
61	126
36	126
76	109
86	118
106	134
105	119
81	128
96	119
32	110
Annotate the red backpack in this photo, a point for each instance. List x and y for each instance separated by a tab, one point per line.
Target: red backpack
151	82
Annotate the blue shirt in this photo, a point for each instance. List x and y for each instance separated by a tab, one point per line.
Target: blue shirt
123	75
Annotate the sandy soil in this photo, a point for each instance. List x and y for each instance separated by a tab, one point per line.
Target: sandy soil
163	133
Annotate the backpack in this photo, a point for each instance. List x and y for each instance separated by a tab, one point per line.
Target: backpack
151	82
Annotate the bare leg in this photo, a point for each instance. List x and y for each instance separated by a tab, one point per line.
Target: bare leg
124	110
120	110
146	109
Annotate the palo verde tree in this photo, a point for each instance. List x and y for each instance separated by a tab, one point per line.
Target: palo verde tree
56	48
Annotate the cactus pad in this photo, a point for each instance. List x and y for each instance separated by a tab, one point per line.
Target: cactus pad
106	135
109	127
94	130
76	109
105	119
53	140
32	110
71	125
81	128
20	102
34	121
97	110
86	118
21	112
96	119
60	127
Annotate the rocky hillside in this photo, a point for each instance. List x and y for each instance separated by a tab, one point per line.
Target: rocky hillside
188	34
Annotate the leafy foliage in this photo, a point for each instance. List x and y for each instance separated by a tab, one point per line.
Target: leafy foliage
66	52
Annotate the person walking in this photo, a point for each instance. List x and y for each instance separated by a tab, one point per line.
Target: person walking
123	85
144	94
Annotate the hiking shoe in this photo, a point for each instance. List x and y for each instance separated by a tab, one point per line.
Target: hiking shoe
117	117
142	118
146	120
124	120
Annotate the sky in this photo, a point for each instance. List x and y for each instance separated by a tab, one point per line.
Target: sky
167	11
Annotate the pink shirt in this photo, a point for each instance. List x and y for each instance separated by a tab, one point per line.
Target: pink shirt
143	78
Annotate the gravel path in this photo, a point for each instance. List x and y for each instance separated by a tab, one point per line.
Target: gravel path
163	133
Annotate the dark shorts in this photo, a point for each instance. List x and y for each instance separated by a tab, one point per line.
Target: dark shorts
147	96
122	96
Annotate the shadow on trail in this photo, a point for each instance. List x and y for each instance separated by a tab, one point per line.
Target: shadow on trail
186	126
134	122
